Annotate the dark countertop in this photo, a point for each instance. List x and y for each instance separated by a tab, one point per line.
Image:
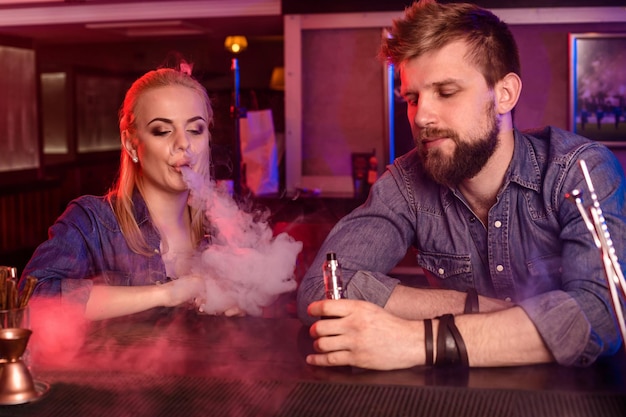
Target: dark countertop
186	364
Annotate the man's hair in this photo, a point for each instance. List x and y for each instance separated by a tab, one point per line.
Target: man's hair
428	26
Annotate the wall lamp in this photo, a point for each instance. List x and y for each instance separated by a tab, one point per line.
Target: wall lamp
236	44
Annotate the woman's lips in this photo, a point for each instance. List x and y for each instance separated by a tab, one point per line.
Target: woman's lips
179	167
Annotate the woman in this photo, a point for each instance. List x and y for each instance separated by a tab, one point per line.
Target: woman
124	252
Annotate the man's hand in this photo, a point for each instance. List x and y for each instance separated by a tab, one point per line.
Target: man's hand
364	335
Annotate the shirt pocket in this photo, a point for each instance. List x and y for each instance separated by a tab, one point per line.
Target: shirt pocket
453	270
547	265
544	274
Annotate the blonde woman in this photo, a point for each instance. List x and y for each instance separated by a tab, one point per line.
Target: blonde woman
121	253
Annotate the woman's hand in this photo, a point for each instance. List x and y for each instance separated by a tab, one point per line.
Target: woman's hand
206	296
185	289
234	311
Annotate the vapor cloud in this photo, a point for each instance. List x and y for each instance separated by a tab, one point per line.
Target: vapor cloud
245	266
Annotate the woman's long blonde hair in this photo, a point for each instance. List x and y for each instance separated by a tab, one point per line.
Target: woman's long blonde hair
121	194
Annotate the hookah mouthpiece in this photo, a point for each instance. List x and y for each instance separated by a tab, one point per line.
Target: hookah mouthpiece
596	223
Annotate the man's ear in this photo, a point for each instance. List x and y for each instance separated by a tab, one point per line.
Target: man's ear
507	90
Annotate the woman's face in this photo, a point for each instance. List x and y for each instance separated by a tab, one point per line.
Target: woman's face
171	131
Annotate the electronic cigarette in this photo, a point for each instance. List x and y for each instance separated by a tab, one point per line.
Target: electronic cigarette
332	277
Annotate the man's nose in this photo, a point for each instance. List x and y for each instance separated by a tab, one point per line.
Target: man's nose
425	113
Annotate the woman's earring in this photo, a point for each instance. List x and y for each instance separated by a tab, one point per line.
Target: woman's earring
135	159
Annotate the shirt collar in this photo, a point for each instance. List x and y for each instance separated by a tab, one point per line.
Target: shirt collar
524	167
140	209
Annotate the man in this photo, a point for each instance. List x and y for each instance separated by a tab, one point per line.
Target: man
485	207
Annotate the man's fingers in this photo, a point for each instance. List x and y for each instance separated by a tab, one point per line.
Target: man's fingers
331	343
337	358
331	308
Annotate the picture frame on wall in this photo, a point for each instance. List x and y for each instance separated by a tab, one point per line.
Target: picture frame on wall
598	86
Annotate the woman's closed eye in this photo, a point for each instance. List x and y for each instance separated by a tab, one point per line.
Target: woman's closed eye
160	132
199	130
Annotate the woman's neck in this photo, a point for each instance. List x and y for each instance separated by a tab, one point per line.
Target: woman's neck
170	215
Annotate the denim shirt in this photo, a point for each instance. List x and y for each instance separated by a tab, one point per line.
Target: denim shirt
86	244
535	250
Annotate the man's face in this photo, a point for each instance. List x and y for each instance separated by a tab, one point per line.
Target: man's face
452	113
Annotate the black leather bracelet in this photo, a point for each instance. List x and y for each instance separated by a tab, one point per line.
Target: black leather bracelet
451	350
428	341
471	302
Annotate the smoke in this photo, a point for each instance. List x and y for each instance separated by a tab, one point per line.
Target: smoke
245	266
59	331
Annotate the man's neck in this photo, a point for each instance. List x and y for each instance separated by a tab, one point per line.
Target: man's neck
481	191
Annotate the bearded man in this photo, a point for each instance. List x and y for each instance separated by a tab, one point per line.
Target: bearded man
514	275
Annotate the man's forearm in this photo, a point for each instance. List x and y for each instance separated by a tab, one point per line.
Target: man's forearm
421	303
503	338
500	335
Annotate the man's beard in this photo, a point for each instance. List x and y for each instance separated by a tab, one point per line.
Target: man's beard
469	156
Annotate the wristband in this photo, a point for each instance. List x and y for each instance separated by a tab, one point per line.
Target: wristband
471	301
451	350
428	340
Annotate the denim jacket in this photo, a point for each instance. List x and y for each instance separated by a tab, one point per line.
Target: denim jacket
535	250
86	244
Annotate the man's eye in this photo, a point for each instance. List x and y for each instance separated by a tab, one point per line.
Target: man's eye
411	101
447	93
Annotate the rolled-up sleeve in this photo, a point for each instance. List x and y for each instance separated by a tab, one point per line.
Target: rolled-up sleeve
374	237
560	320
578	322
62	263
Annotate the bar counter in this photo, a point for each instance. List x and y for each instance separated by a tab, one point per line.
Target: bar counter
184	364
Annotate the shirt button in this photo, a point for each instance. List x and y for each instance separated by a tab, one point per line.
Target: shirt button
507	299
156	251
497	224
499	268
441	271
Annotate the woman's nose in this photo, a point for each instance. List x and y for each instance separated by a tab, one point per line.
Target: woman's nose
181	141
